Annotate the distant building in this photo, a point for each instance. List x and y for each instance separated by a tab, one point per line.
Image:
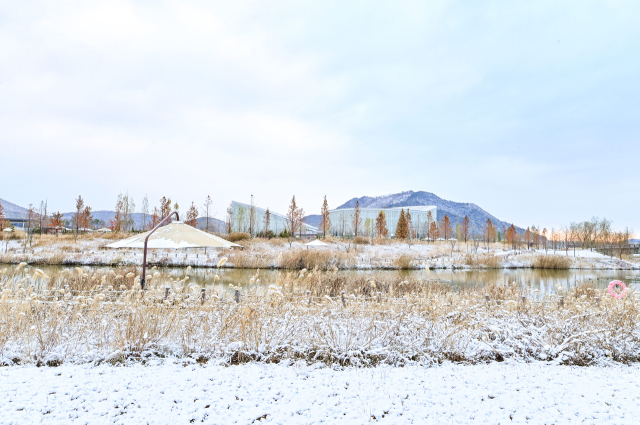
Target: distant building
241	220
342	220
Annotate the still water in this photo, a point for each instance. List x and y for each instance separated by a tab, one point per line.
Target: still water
546	281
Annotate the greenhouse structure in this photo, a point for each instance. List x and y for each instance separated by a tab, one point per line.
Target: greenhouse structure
342	220
248	219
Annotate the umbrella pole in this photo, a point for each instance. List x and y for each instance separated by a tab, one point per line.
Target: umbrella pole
144	258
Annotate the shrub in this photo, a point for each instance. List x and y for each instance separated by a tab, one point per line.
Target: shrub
556	262
488	261
361	240
237	236
404	261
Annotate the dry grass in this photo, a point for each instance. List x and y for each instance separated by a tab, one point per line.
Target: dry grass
556	262
404	260
321	259
361	240
488	261
97	316
237	236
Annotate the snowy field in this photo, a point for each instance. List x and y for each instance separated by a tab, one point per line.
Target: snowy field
497	393
267	254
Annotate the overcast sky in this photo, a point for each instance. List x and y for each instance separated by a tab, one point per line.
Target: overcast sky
529	109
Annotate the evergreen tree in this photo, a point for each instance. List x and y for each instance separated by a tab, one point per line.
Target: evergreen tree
402	229
381	225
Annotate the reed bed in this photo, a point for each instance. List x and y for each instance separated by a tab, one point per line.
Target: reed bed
555	262
93	316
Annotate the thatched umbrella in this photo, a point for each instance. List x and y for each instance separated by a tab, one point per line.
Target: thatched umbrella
176	235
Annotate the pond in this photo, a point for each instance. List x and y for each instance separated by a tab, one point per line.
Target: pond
546	281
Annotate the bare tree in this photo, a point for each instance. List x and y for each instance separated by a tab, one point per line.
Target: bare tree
356	219
207	206
77	216
145	211
2	218
475	242
252	218
32	216
325	220
267	222
56	222
464	229
229	218
42	215
294	219
192	215
453	242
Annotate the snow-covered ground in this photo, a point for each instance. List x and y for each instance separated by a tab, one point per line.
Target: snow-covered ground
497	393
265	254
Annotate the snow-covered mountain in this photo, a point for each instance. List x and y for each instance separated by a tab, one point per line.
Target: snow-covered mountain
455	210
13	210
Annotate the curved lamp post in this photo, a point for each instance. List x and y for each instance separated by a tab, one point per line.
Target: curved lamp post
144	260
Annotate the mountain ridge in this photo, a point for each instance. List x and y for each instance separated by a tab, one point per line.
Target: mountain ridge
456	211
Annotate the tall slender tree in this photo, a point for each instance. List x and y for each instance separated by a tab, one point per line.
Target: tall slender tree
267	222
77	216
252	218
433	231
325	220
511	236
165	207
447	231
356	219
489	233
42	215
145	211
294	219
464	228
207	207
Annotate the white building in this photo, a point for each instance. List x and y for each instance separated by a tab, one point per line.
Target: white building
242	220
342	220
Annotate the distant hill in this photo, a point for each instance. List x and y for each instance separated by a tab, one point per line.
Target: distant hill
215	225
455	210
13	210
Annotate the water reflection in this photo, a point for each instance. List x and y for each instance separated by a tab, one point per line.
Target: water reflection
546	281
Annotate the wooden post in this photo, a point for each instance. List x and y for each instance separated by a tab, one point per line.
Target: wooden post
237	296
379	297
167	289
203	294
344	301
561	301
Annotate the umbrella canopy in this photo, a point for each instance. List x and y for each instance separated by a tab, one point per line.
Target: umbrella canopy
316	242
176	235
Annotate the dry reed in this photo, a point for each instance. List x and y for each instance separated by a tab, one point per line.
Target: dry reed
83	315
556	262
